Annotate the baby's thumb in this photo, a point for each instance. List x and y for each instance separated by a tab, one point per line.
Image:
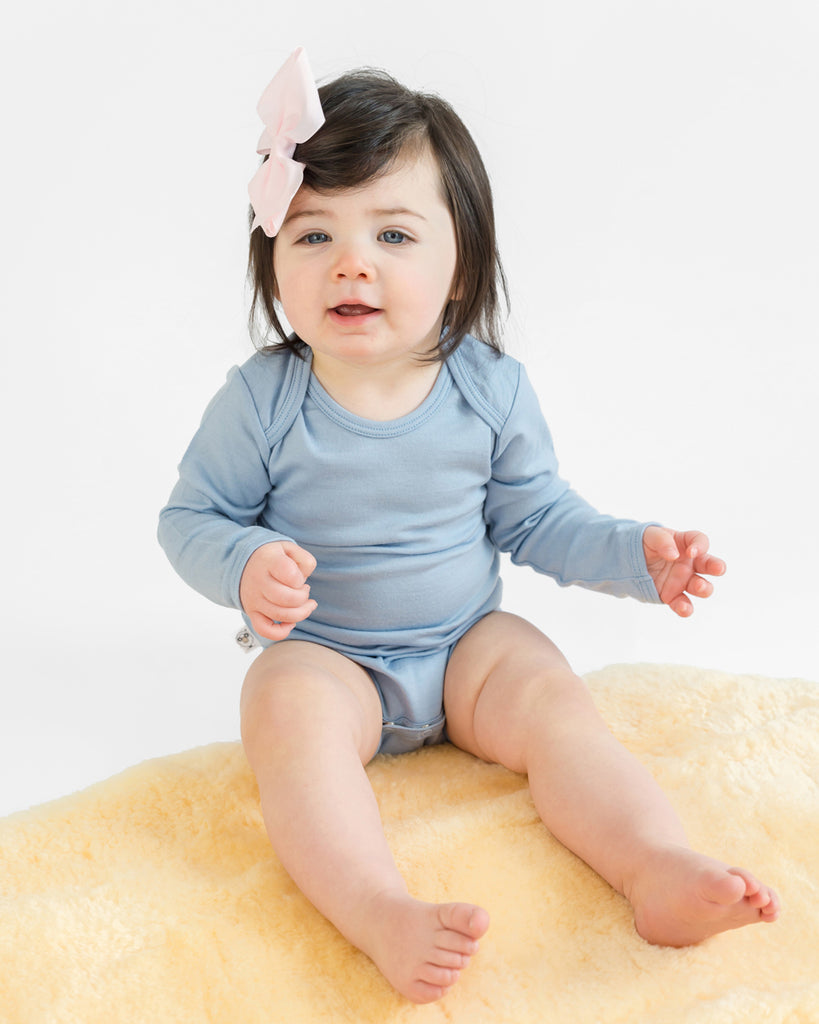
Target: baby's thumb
662	542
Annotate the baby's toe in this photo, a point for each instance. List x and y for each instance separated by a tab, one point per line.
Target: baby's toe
770	911
760	899
465	919
442	977
448	957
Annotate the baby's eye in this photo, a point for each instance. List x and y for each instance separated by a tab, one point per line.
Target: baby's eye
393	237
315	238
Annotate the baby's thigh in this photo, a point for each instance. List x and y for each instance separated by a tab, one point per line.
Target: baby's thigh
505	675
296	690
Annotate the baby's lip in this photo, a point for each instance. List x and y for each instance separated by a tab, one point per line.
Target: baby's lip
354	309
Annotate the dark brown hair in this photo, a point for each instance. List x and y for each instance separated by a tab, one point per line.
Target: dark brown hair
371	120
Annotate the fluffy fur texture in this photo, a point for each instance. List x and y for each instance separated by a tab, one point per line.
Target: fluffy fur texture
155	896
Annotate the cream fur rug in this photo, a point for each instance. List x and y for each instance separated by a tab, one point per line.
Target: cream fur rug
155	897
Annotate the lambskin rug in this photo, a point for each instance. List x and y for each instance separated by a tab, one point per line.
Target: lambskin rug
155	896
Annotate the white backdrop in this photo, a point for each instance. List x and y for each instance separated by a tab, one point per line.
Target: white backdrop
655	169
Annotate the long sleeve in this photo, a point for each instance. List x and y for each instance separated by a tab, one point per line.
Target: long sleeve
535	517
209	527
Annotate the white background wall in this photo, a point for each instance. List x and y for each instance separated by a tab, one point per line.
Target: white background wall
655	167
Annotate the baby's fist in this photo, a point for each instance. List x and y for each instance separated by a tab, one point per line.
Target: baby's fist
273	589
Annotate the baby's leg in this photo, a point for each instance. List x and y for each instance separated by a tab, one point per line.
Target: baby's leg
311	720
511	698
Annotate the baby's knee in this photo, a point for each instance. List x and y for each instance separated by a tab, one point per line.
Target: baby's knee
274	698
300	693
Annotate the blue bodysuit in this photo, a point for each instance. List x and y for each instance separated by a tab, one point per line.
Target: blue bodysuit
405	518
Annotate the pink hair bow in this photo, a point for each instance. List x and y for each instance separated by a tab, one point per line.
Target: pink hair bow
291	111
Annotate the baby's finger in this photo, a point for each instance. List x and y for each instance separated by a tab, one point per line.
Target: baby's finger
699	587
695	545
276	623
660	542
269	629
303	559
285	570
280	594
710	565
283	613
681	606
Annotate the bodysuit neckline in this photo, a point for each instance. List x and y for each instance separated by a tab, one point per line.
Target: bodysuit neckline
380	428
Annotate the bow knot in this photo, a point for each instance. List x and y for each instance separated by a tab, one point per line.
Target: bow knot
291	112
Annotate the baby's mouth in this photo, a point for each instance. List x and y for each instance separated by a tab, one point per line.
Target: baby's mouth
347	309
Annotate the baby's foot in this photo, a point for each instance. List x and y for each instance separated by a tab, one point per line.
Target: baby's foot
681	897
421	948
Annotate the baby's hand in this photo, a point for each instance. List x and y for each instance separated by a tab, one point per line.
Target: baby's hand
674	561
273	589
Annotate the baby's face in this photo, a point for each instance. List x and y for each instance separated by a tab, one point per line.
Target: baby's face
364	275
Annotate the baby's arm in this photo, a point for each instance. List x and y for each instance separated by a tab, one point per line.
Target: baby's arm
274	591
674	561
540	521
534	515
212	524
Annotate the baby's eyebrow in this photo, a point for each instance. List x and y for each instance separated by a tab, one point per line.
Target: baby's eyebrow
305	213
398	211
385	211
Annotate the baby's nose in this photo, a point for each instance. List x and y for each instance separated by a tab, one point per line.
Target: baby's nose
354	262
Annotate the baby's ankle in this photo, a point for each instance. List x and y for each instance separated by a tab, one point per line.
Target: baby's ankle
644	859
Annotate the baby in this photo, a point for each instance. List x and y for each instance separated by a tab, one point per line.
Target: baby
350	489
